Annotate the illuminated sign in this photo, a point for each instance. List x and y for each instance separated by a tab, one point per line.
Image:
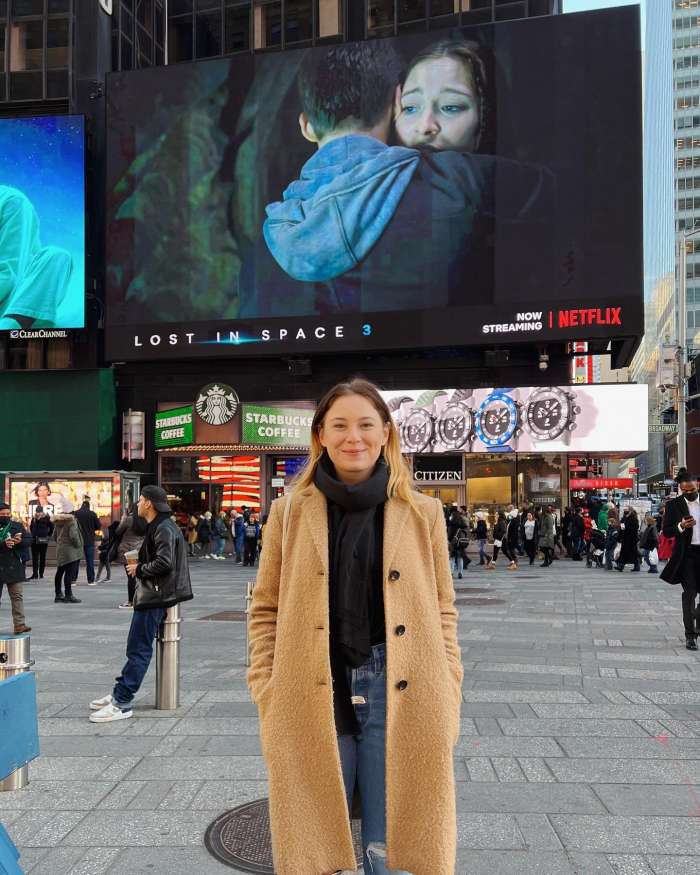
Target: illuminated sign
174	427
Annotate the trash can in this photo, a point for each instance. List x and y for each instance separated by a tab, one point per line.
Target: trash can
15	659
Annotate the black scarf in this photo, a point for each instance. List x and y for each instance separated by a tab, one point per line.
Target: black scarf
352	513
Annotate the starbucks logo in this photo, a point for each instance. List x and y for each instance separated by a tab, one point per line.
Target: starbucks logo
217	404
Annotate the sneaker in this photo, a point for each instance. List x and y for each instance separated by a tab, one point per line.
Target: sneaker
92	583
110	713
73	600
59	598
127	606
512	567
99	704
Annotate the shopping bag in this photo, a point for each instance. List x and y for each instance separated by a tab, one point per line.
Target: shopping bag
496	542
617	551
653	557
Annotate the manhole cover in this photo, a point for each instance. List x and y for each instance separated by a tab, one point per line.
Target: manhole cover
480	601
225	615
241	838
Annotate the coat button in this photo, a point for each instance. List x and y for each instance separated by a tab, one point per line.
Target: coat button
394	575
401	685
400	630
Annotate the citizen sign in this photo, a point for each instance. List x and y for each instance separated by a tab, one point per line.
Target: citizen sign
436	475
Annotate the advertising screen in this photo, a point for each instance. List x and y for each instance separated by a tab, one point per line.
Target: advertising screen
42	224
60	496
448	188
553	419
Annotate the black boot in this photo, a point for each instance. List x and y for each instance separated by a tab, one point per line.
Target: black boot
70	597
691	643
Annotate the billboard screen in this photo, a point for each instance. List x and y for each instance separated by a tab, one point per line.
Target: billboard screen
554	419
57	495
42	224
446	188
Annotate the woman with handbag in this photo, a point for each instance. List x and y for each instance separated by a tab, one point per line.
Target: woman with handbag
41	529
128	537
499	537
355	665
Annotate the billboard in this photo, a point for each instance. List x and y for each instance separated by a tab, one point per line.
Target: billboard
552	419
42	225
445	188
61	495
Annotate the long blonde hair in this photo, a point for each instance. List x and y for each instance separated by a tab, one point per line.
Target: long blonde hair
400	484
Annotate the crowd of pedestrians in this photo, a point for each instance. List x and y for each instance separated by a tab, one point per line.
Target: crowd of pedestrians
233	533
603	539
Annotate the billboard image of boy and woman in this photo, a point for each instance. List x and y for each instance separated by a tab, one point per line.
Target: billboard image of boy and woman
399	192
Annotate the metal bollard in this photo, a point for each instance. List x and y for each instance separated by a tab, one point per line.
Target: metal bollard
248	600
14	659
168	661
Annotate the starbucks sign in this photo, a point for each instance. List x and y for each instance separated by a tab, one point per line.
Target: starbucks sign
174	427
277	426
216	404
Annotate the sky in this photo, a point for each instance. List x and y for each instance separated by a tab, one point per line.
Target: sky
583	5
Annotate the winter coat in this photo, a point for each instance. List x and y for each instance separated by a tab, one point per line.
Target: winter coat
482	532
547	531
578	526
129	538
676	509
69	539
460	542
204	530
41	529
603	519
239	532
649	539
499	531
513	532
162	574
629	539
89	523
11	568
290	681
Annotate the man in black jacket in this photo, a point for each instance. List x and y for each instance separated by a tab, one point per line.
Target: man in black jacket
682	522
89	523
11	568
162	580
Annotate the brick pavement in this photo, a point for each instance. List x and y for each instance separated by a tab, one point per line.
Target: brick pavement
580	747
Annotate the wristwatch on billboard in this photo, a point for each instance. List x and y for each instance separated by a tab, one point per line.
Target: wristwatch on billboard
417	431
455	425
551	413
498	421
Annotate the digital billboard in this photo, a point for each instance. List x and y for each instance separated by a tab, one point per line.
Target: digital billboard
553	419
42	224
447	188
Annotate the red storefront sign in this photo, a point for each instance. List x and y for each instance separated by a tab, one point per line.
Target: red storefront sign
601	483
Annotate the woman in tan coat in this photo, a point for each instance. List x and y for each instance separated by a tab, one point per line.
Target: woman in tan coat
355	665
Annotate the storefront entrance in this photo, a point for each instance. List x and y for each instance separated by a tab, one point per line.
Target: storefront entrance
447	494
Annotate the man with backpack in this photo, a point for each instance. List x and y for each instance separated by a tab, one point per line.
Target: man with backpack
458	550
250	543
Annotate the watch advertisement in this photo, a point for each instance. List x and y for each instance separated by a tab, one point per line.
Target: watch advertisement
432	189
592	419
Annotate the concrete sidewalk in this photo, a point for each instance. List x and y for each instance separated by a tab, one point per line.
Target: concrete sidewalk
580	748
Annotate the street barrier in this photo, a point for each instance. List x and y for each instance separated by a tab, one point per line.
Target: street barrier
168	661
18	718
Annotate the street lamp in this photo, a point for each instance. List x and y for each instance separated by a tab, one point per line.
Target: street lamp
683	348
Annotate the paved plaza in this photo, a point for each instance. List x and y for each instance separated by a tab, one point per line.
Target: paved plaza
580	747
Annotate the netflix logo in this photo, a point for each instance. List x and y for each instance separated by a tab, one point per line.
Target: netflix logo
584	317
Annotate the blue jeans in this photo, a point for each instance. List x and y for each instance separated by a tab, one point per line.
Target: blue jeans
89	550
482	550
219	546
458	564
362	758
139	652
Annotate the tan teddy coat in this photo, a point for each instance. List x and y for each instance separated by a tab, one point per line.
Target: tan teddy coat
290	681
